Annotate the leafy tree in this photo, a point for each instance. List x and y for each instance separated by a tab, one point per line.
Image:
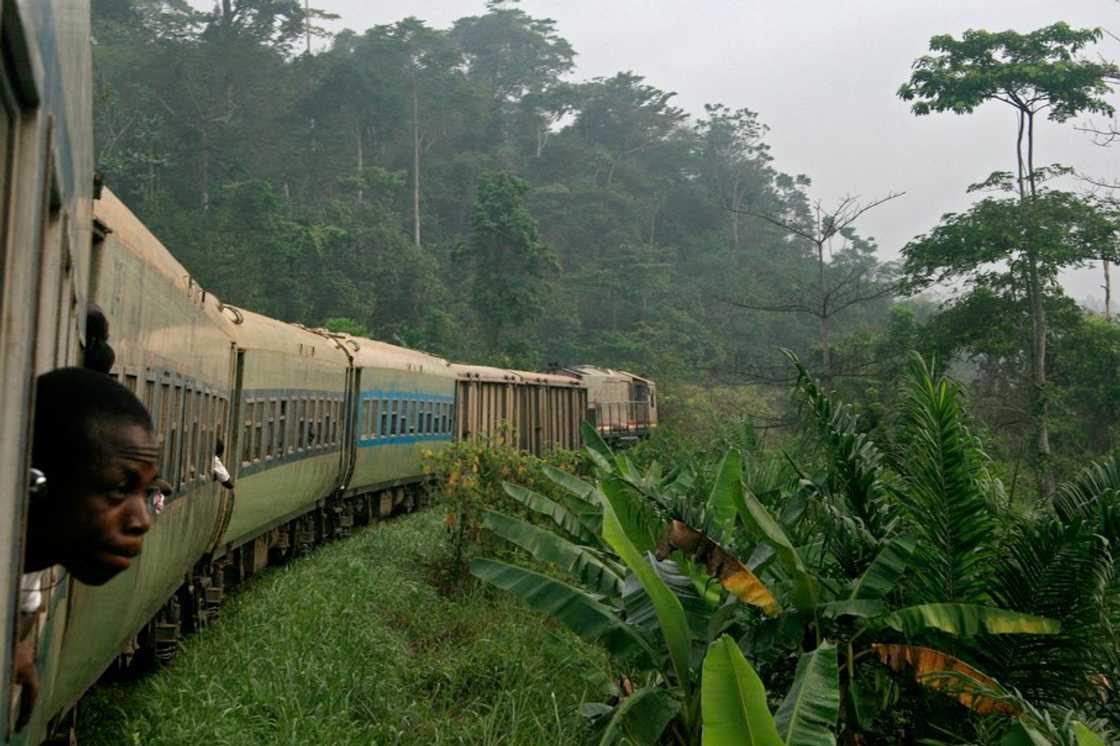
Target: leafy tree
1036	73
506	256
1014	249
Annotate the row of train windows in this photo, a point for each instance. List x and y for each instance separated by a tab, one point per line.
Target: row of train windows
187	421
274	428
385	418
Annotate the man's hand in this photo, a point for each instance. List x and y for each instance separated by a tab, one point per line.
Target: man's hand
27	678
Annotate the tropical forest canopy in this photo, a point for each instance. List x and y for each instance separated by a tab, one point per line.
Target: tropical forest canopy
462	190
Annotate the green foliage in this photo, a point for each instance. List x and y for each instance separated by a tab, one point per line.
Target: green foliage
353	645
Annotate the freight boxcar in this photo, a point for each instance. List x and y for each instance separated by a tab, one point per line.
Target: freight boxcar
486	402
550	408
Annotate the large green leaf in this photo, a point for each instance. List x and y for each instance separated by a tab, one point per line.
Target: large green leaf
639	608
969	619
546	546
576	609
1084	736
639	719
758	519
575	525
670	613
1022	734
634	516
888	566
733	700
812	705
595	447
573	484
864	608
723	501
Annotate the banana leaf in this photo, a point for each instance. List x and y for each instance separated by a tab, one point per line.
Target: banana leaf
1084	736
733	700
811	707
639	719
888	566
722	501
758	519
576	609
670	613
864	608
941	671
573	484
575	525
546	546
966	620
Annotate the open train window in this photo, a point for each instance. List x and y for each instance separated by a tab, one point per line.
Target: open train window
282	428
411	417
374	416
428	427
247	435
394	419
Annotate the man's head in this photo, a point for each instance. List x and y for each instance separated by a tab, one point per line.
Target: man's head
99	355
94	442
219	447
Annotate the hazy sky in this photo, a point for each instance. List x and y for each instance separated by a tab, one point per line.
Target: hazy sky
823	75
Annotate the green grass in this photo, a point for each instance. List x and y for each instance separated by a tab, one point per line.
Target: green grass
354	645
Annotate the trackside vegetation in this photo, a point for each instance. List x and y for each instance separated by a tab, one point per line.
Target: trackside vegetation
355	644
869	591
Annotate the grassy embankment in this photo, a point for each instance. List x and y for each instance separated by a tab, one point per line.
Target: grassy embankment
355	645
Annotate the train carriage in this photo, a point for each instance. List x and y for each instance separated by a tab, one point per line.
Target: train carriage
621	405
486	402
46	180
404	405
288	446
550	408
174	350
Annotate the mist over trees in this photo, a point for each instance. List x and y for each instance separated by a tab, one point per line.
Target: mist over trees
375	179
346	183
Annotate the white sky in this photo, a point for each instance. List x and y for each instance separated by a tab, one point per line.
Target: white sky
823	75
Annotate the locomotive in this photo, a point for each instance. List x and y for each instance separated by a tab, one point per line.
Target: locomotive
322	431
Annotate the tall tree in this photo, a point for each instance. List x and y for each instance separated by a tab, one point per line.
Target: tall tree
846	273
506	256
1038	73
734	160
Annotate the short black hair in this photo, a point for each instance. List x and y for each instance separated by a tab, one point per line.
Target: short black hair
219	447
99	354
71	405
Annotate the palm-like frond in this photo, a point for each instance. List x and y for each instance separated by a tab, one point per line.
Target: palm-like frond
942	493
1063	572
853	494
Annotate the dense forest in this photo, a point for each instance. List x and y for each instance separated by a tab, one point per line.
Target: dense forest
462	191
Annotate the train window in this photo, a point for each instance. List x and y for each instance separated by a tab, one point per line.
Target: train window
302	443
428	428
282	428
408	417
247	435
383	428
393	419
336	415
293	410
319	434
190	437
258	430
268	419
374	416
131	382
420	419
444	411
327	439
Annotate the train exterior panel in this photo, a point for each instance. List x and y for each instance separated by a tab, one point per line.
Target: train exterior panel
549	412
621	405
174	351
46	181
486	403
289	444
405	406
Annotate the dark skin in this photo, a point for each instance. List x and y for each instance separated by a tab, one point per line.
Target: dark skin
92	521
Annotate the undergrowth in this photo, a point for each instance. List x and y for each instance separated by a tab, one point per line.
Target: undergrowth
355	645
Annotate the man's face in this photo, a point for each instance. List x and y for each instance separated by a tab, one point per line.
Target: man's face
104	515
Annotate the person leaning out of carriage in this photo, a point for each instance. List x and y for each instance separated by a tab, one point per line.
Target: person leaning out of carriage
95	446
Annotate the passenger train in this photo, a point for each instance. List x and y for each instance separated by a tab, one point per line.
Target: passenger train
321	430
